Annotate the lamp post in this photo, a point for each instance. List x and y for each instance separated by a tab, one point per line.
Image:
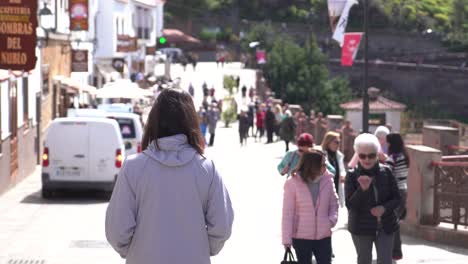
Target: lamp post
365	101
46	20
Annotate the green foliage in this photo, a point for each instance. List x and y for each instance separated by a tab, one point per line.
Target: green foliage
229	115
229	84
207	35
300	76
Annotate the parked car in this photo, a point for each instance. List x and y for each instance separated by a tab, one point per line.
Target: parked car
130	125
81	153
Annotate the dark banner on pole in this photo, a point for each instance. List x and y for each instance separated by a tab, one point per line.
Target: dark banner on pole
18	23
79	61
79	15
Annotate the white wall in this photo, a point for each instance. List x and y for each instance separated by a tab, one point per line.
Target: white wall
5	111
19	100
394	118
355	117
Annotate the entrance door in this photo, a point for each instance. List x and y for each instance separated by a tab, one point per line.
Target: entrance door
14	130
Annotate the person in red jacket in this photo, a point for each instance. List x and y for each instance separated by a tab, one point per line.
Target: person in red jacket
310	210
260	117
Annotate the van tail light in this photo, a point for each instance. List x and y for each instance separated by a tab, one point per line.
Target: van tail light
118	158
139	147
45	158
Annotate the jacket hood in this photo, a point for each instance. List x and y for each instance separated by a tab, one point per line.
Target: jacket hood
173	151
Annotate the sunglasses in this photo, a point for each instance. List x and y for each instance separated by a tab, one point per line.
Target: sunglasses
370	156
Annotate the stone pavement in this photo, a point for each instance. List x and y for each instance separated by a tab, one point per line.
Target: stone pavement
70	228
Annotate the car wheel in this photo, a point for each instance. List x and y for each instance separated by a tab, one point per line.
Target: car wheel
46	194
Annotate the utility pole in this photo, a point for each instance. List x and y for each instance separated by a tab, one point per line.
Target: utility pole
365	101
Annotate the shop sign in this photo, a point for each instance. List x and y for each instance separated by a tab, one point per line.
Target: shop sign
79	15
18	23
79	61
150	50
125	43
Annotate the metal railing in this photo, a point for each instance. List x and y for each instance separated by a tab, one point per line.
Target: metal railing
451	193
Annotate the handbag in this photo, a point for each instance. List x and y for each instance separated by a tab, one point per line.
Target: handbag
288	257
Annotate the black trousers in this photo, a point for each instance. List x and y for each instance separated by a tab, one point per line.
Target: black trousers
270	132
320	249
212	138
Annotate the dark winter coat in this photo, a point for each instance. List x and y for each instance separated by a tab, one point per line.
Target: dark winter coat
270	120
243	124
288	129
360	203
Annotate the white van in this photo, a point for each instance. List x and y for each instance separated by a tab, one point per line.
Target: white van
129	123
81	153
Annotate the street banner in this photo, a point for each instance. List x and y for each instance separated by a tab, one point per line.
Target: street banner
79	60
79	15
335	9
18	23
350	48
339	33
261	57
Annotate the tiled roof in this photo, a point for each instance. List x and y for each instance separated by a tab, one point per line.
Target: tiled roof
381	103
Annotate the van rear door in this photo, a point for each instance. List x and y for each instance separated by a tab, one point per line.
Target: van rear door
104	142
68	151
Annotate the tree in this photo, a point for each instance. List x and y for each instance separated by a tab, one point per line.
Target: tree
186	9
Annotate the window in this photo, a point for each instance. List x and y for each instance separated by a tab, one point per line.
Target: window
143	23
25	101
45	79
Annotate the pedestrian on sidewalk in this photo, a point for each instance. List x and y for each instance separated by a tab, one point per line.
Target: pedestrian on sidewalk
288	128
170	198
244	91
206	92
270	121
330	146
260	121
310	210
203	122
278	111
213	118
191	90
372	196
305	143
251	114
243	126
398	160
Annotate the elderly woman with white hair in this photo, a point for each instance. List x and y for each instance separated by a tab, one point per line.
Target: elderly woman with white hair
371	198
381	133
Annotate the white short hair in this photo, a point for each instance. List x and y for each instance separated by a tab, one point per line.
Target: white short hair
381	131
367	139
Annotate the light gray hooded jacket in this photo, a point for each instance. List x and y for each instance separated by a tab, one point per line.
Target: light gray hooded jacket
169	205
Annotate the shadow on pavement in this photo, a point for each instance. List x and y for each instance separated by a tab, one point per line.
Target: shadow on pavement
412	241
69	197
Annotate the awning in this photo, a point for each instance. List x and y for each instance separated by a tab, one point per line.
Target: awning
107	71
74	86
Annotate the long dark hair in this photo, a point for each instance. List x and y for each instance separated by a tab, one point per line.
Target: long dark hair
310	165
396	145
173	113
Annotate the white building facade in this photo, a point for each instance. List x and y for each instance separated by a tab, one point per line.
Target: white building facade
117	24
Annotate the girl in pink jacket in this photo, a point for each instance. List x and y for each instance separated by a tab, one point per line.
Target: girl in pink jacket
310	210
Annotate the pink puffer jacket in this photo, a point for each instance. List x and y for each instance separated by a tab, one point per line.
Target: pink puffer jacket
301	218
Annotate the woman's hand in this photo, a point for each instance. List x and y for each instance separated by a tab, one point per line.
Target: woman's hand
365	182
342	179
378	211
285	170
286	246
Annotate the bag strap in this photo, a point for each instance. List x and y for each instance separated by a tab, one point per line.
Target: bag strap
288	255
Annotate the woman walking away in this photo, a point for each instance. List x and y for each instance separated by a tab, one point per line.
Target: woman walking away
310	210
330	146
288	129
371	198
398	160
260	121
169	204
305	143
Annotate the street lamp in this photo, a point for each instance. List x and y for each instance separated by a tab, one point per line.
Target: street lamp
365	101
46	18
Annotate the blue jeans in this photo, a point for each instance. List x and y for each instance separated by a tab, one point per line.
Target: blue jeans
321	249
